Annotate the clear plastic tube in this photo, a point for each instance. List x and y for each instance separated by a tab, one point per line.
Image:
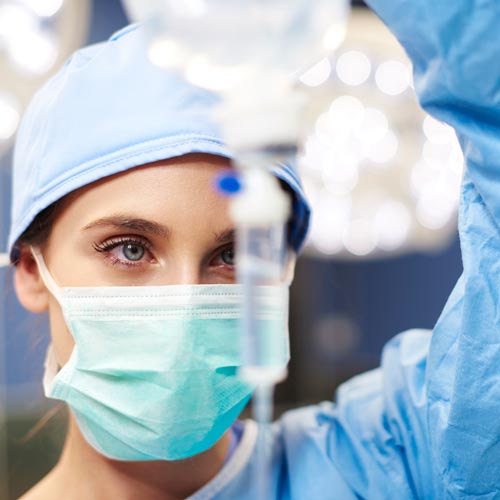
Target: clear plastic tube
263	414
260	263
261	214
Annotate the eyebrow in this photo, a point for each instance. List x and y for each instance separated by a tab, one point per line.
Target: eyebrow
133	223
225	236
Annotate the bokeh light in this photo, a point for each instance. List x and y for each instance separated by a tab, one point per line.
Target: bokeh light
44	8
383	176
35	36
318	74
353	67
393	77
9	116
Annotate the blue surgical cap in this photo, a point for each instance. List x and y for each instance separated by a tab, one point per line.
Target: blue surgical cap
107	110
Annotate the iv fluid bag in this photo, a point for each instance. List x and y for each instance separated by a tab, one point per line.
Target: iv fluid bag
216	43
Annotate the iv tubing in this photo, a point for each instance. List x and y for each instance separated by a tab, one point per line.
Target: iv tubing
262	414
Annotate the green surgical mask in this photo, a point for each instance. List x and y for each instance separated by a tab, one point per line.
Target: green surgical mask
152	375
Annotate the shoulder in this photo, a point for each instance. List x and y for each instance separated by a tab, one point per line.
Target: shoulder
398	384
47	488
375	432
38	492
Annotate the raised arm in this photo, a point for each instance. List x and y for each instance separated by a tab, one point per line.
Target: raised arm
455	49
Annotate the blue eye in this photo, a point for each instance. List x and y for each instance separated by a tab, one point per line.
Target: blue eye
133	252
227	256
125	250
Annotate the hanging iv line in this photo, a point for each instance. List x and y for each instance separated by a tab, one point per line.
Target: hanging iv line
246	51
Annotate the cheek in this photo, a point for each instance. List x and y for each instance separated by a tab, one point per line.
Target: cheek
62	341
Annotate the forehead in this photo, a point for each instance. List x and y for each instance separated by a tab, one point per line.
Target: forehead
183	175
179	190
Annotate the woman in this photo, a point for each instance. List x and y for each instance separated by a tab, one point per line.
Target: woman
114	199
127	155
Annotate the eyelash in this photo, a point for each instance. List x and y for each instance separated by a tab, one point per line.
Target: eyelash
106	246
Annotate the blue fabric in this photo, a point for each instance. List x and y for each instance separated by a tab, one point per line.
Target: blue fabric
108	110
455	49
235	432
426	424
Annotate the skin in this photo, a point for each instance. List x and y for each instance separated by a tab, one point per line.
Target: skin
191	245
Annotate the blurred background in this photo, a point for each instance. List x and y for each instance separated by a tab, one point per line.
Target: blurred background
382	256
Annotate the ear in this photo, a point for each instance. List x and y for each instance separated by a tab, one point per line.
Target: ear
30	289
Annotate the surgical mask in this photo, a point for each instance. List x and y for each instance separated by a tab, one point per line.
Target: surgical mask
152	375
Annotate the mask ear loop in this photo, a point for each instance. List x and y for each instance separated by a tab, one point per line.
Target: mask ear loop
51	365
47	278
4	260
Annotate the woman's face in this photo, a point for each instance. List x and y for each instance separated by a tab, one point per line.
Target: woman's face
160	224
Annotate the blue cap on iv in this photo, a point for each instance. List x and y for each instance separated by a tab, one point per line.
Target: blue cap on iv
228	183
107	110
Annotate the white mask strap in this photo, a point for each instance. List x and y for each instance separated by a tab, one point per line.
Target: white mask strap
47	278
51	368
4	259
